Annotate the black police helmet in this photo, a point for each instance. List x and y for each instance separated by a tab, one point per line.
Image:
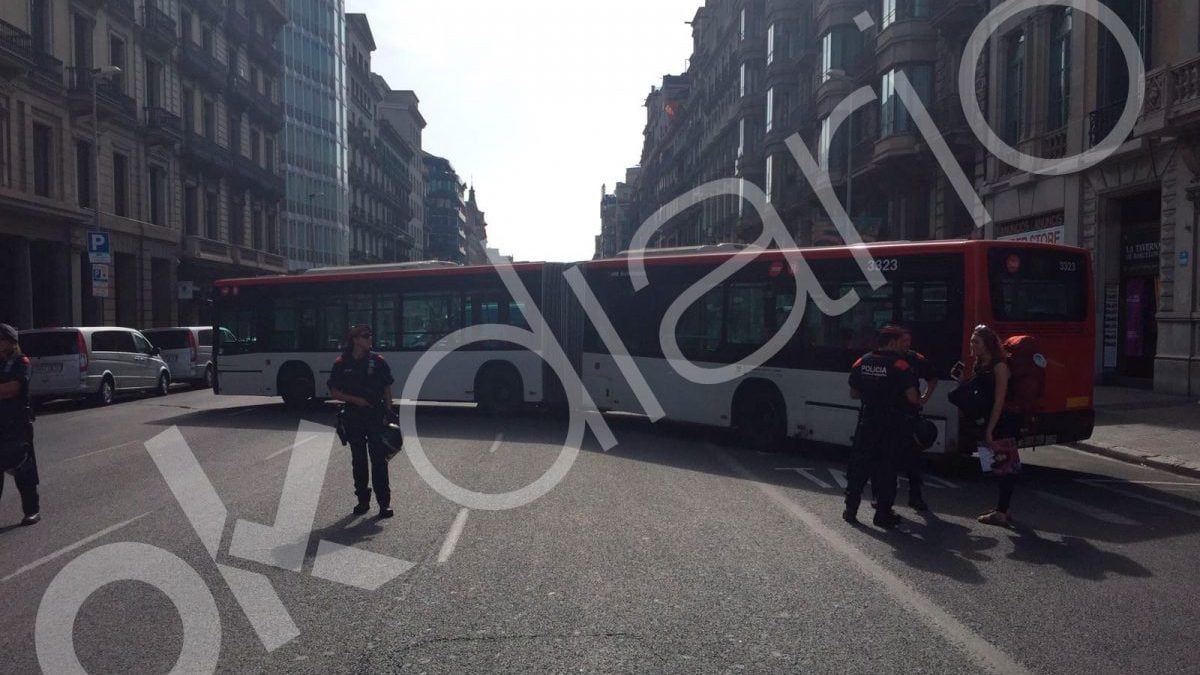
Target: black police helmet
925	433
392	439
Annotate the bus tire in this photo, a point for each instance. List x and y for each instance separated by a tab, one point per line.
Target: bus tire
498	388
296	385
760	416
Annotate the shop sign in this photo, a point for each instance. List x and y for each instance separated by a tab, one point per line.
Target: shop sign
1049	228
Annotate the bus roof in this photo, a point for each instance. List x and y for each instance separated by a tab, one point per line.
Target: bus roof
706	254
371	273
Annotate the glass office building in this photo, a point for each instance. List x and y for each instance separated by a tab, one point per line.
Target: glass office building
317	219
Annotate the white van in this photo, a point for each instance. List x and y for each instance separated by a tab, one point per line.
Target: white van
188	351
92	362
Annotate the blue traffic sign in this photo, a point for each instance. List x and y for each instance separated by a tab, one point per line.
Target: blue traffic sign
99	247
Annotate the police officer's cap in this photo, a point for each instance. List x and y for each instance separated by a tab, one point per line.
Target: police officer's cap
925	433
7	332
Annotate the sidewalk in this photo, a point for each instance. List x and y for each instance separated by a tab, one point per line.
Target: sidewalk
1143	427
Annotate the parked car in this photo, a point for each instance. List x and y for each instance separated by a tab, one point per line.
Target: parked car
92	362
188	351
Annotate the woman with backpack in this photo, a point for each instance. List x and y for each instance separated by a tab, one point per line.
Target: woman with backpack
992	379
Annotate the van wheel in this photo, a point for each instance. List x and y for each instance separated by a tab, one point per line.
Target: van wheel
104	395
164	385
762	421
208	377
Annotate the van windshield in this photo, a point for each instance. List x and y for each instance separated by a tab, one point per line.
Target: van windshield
53	343
168	339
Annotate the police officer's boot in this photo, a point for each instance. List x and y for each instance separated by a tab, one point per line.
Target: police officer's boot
364	504
850	515
885	517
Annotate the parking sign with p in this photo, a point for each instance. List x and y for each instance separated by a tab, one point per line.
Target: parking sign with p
99	248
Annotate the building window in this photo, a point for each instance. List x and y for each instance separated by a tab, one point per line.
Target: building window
43	146
770	179
235	133
742	24
188	103
82	41
770	44
39	26
894	117
191	222
120	185
156	186
209	111
116	57
742	83
1060	69
207	42
212	224
83	173
237	221
153	84
840	50
903	10
185	25
770	109
1014	87
741	149
256	228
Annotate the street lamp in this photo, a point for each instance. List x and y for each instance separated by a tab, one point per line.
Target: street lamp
107	72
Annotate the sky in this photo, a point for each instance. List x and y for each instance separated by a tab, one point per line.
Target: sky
538	103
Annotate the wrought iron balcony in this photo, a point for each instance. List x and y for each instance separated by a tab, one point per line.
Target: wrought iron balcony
195	60
259	179
204	152
122	8
266	52
159	28
163	127
237	26
16	49
110	100
242	94
214	10
47	70
1102	120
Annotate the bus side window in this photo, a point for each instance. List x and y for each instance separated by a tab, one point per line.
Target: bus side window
385	323
428	317
698	332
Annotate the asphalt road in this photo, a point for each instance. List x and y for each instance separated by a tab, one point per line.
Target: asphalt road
675	551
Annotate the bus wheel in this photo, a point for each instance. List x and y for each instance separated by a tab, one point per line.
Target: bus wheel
296	385
498	389
761	419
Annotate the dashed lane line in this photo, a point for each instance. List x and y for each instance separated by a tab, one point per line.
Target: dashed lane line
496	443
1088	510
987	655
102	450
1149	500
82	542
456	531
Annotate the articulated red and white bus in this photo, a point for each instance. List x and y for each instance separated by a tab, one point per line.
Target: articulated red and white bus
290	329
940	290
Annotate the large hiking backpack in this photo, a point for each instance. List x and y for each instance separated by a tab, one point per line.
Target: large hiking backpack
1028	380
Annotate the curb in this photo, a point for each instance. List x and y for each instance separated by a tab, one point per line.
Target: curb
1160	462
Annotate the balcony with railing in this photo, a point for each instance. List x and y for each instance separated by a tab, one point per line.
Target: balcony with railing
266	52
1172	99
275	9
259	179
163	127
1102	121
158	28
213	10
204	152
47	71
237	27
122	8
243	94
110	100
198	62
16	49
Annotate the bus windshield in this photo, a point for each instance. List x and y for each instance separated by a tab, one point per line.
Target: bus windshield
1039	285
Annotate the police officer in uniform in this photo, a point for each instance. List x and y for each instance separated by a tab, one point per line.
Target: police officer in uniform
16	420
363	381
887	386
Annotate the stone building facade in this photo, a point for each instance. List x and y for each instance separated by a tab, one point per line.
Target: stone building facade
190	97
1057	83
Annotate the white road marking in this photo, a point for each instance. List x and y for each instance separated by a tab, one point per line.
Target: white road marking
497	442
456	531
1087	509
839	477
97	452
289	448
264	609
807	473
1149	500
982	652
1094	481
82	542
